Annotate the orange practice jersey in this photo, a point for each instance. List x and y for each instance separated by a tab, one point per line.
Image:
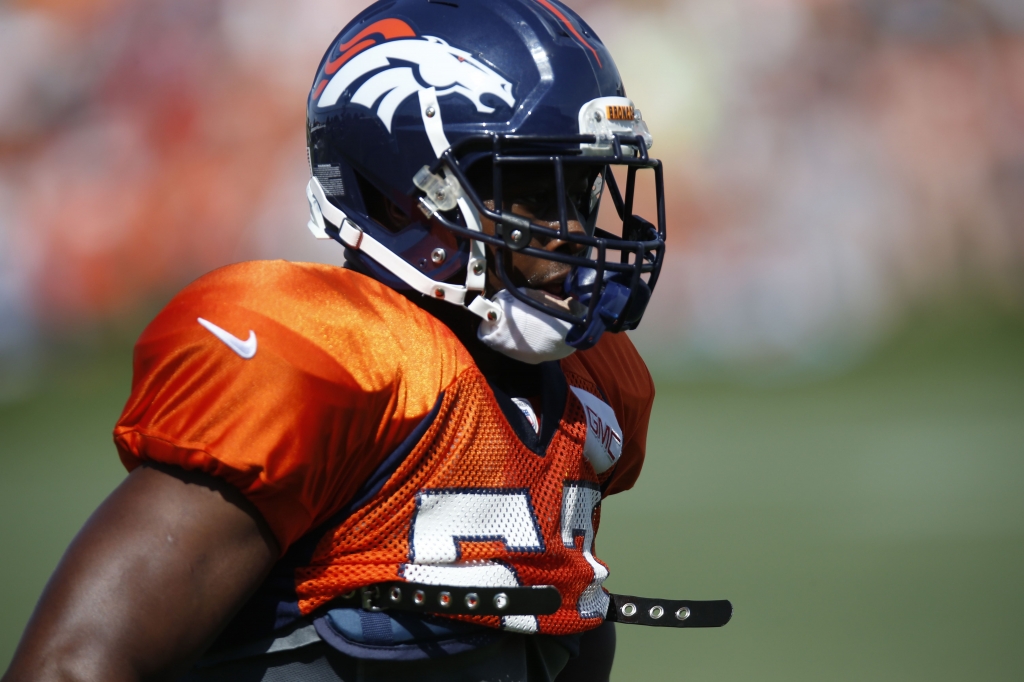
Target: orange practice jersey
358	424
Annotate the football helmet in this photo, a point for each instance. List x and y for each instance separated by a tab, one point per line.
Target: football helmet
423	117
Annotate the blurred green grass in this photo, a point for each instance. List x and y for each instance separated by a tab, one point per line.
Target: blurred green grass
866	526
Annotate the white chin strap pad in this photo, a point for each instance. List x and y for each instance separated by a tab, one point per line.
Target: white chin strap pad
524	333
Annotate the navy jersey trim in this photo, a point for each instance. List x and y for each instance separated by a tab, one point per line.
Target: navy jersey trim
554	393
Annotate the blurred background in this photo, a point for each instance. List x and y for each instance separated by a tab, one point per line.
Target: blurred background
837	338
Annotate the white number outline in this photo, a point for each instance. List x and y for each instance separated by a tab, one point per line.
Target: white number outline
435	551
434	559
580	499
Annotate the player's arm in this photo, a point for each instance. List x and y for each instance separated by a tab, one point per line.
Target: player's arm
148	583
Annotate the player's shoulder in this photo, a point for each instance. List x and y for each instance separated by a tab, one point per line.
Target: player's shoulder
615	367
281	290
306	314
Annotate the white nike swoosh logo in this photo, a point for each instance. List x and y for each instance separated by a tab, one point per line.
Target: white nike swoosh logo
246	348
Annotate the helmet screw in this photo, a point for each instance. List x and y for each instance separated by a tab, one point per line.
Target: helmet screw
597	115
492	316
439	195
430	112
438	256
516	235
478	267
439	293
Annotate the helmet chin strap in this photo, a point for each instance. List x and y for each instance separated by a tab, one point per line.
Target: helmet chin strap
323	212
430	112
524	333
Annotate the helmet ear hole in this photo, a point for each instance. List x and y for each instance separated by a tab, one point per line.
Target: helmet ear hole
386	212
395	217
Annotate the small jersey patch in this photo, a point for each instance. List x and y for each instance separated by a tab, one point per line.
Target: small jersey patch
604	436
531	415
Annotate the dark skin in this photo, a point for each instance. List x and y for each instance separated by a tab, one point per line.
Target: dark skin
535	200
162	566
181	546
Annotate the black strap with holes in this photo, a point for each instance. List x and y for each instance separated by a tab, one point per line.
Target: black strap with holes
541	600
668	613
457	601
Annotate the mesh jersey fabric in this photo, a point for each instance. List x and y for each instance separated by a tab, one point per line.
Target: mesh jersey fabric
345	371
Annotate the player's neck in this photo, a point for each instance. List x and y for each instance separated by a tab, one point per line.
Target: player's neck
514	377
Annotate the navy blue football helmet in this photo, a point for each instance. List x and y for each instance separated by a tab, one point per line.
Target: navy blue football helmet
420	112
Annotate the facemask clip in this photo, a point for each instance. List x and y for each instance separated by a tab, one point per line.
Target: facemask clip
514	230
442	193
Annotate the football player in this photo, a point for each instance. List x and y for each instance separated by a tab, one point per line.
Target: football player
393	470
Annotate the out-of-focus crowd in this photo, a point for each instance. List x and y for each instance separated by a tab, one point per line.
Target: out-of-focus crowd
829	162
832	162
